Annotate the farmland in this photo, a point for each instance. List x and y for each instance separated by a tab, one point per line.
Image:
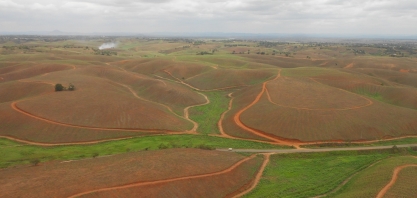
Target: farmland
334	174
182	98
193	162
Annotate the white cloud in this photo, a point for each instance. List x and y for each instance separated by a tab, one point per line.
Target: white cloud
280	16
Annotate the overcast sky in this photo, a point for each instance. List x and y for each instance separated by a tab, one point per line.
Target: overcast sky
243	16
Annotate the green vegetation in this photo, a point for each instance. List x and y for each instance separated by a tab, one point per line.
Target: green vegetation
411	140
207	116
313	174
59	87
369	182
14	153
373	95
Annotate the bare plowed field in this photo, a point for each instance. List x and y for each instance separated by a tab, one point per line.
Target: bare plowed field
27	72
20	126
367	123
156	90
220	78
106	107
62	179
227	183
310	95
19	90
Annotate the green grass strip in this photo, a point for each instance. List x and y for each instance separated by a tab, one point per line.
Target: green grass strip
13	153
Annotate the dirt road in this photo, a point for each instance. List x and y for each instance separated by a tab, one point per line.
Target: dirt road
394	179
257	177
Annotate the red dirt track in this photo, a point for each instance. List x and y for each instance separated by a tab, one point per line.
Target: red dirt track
261	133
394	179
258	176
283	141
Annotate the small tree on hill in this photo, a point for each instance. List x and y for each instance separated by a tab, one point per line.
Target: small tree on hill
71	87
59	87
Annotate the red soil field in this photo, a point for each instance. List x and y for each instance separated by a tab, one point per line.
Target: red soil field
20	126
310	95
16	90
145	66
187	70
30	71
241	99
226	183
241	63
105	106
299	109
367	123
57	179
220	78
397	95
283	62
397	77
151	89
12	67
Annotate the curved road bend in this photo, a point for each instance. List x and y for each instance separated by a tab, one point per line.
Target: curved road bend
308	150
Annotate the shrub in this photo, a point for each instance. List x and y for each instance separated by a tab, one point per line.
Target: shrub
205	147
414	148
59	87
35	162
163	146
395	149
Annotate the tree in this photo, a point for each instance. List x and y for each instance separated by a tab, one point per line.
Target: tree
71	87
59	87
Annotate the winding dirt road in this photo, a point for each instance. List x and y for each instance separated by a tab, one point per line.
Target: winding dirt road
186	113
257	177
239	123
394	179
220	122
165	180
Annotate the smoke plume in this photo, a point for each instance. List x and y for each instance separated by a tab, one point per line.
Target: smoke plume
107	45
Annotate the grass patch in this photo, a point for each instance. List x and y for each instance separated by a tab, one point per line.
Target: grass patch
207	116
370	181
16	153
312	174
411	140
